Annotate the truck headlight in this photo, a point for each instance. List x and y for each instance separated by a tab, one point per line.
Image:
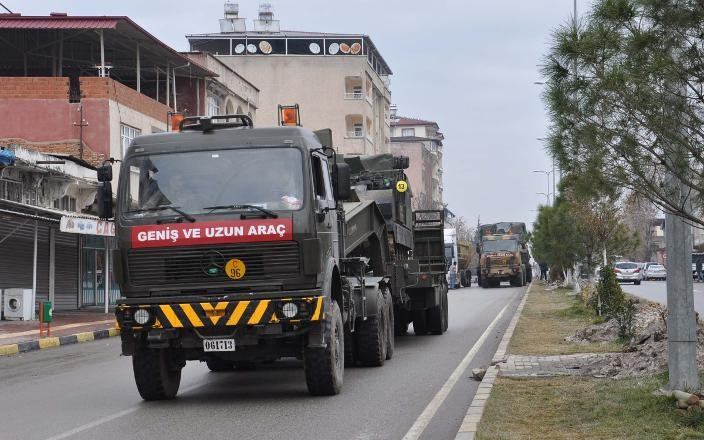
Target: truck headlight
142	316
289	310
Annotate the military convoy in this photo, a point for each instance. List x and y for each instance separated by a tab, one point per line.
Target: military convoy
503	254
240	245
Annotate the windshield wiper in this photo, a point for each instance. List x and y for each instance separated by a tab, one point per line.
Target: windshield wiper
268	213
177	209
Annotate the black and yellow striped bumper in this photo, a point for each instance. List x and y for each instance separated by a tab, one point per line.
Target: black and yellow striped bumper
222	314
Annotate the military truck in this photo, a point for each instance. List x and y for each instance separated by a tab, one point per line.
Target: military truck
459	251
503	254
239	245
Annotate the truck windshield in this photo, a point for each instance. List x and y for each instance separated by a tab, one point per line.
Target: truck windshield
270	178
500	245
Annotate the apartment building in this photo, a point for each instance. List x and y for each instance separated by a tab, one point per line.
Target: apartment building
340	81
421	141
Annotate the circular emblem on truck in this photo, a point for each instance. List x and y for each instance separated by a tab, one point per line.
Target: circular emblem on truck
235	269
212	263
401	186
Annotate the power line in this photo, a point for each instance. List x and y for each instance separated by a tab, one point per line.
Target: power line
5	8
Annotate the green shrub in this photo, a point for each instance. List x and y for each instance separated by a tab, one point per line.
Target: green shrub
609	301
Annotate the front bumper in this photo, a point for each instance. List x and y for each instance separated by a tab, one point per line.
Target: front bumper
628	277
221	315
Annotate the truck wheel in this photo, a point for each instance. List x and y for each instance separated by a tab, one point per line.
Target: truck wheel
324	367
390	327
350	356
371	336
485	283
420	322
437	316
156	375
446	309
400	322
218	365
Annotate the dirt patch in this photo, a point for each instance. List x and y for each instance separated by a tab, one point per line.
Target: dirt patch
645	354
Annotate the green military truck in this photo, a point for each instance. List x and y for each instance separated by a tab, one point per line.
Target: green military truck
239	245
503	254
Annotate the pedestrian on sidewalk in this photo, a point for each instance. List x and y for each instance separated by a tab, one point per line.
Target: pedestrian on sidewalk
544	271
453	276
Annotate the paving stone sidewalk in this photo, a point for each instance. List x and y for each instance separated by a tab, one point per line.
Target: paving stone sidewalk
558	365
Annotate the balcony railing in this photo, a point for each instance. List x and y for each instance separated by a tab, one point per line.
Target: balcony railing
354	95
355	134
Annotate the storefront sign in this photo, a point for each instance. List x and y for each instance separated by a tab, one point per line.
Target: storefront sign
87	226
234	231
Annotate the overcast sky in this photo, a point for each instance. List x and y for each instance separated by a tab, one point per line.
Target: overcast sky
470	65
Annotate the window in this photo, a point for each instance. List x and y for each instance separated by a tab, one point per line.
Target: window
127	134
65	203
358	130
213	105
318	180
408	132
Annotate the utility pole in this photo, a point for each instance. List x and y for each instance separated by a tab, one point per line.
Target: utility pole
681	318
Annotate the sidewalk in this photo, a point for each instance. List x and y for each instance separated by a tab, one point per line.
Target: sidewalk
68	327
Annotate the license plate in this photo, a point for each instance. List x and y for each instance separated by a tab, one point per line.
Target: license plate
218	345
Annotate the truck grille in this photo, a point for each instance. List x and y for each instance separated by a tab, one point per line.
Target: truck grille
263	261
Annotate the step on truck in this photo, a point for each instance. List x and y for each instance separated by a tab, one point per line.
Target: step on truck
503	254
240	245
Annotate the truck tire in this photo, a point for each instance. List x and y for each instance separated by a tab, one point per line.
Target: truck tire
324	367
446	309
350	356
217	365
420	322
371	336
485	283
437	316
529	274
390	326
156	375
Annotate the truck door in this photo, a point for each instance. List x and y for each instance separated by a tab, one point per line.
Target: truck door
324	205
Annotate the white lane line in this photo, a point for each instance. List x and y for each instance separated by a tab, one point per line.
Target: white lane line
109	418
424	419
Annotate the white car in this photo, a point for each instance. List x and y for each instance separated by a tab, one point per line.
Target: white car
627	271
655	272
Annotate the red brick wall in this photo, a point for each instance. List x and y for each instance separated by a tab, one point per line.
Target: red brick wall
34	87
95	87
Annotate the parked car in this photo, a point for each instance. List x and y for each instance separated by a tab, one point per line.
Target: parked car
655	272
628	271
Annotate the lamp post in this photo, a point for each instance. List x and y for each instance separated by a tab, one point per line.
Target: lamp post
547	197
547	174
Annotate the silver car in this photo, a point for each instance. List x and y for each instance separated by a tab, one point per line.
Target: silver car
627	271
655	272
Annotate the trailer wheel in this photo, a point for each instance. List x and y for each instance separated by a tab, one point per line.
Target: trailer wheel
390	326
218	365
437	316
420	322
324	367
371	336
157	376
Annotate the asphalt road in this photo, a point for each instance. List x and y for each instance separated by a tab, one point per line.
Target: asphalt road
86	391
657	291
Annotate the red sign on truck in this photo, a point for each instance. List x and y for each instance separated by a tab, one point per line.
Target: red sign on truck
218	232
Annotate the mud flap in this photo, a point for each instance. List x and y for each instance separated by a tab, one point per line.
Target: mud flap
316	333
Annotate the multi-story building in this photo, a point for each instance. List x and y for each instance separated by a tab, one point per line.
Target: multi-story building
75	91
340	81
421	141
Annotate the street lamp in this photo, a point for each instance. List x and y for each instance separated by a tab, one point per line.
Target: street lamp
547	174
547	197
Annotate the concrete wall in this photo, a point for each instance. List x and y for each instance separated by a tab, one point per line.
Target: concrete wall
317	84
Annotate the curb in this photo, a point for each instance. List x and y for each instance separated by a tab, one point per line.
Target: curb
56	341
470	423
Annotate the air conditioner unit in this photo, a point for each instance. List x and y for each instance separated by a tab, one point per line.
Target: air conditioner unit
17	304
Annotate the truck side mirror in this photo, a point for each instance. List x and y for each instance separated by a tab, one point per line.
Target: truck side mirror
342	181
105	210
105	173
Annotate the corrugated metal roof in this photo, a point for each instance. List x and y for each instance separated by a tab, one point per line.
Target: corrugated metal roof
18	22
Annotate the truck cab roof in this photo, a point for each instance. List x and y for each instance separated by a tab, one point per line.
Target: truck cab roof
224	137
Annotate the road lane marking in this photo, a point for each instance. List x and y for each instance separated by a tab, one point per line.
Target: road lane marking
427	415
110	418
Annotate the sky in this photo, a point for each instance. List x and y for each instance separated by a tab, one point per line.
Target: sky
469	65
